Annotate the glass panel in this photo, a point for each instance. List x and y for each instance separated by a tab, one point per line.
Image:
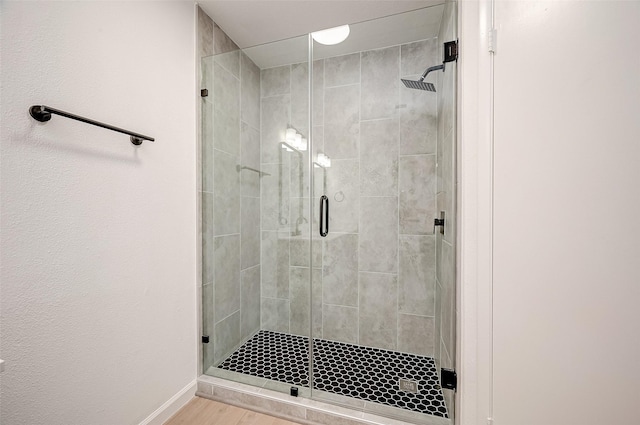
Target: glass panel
377	154
377	294
446	202
255	214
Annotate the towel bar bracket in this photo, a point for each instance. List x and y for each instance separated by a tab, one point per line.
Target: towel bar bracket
39	114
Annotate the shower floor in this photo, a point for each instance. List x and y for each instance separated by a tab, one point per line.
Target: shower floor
364	373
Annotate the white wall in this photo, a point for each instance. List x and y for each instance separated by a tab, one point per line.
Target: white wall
98	237
566	272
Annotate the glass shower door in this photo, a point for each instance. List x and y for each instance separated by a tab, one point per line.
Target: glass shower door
376	156
361	315
255	214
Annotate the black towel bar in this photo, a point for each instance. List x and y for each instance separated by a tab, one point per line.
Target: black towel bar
43	113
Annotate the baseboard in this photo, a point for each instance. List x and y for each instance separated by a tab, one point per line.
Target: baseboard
171	406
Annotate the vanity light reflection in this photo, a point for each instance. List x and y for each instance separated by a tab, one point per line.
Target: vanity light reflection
295	140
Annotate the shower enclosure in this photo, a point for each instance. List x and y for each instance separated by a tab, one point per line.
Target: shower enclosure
324	272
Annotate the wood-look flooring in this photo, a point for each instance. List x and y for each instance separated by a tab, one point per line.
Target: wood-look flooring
202	411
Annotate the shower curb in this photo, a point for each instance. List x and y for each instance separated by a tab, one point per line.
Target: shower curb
297	409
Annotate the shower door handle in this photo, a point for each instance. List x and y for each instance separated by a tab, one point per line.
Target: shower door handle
324	216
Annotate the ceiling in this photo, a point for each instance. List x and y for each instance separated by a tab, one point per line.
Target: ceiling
391	30
254	22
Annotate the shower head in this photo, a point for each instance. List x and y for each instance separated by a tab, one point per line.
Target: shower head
420	84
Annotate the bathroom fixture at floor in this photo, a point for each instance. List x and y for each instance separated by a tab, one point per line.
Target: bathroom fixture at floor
43	113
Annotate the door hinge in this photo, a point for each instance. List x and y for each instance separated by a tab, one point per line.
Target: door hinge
205	339
204	93
450	51
448	379
493	40
439	222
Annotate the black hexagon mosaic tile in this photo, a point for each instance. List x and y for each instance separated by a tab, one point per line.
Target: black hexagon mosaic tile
365	373
272	355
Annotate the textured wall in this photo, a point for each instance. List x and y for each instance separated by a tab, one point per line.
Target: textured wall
375	272
98	237
230	196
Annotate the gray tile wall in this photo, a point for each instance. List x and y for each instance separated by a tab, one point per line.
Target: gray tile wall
230	196
374	275
286	281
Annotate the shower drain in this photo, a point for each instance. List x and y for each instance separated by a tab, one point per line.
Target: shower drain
408	386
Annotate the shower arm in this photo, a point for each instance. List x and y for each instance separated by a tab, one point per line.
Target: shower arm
433	68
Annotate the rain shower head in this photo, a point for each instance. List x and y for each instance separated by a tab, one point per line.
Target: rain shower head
420	84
